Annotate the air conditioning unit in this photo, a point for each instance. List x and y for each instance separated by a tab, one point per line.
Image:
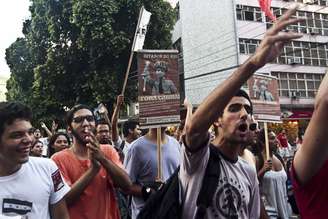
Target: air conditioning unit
309	2
239	7
313	31
293	61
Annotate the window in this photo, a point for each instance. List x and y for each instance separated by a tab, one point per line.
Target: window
305	53
247	46
247	13
304	84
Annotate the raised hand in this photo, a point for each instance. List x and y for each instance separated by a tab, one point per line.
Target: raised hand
54	126
120	100
267	165
95	153
189	108
43	125
274	39
102	109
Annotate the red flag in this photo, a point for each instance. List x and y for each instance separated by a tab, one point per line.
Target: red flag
265	7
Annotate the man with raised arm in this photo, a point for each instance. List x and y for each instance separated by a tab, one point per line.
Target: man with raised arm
237	192
310	165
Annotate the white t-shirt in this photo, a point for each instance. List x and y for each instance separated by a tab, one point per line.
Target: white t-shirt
237	193
126	145
28	192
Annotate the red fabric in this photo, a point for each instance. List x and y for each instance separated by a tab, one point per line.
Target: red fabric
312	198
98	199
282	138
265	7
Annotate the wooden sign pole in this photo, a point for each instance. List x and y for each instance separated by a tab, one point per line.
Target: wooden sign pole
267	149
159	154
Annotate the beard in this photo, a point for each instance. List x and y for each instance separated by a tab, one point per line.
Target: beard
79	138
105	141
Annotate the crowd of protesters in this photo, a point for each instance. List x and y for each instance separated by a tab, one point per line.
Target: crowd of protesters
89	171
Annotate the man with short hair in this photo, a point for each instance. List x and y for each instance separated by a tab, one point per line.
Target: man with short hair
141	163
237	192
131	129
30	187
244	152
104	132
91	169
131	132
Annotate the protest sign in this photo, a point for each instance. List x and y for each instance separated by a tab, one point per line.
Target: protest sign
158	92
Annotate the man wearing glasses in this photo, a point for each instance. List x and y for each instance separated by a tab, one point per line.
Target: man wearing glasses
91	170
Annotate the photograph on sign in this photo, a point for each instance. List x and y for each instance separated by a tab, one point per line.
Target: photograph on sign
158	91
263	91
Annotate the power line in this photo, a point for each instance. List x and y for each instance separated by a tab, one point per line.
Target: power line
249	30
219	37
232	46
232	67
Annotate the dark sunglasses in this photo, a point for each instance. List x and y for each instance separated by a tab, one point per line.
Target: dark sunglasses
236	107
253	126
80	119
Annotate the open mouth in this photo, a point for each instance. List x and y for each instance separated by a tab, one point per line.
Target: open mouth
242	127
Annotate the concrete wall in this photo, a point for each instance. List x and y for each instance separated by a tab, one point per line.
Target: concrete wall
209	43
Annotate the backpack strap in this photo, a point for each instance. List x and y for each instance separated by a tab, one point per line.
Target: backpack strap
209	183
122	145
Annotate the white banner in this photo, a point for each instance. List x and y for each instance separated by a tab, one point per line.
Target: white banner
140	36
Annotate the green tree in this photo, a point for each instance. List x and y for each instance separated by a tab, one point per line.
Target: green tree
77	51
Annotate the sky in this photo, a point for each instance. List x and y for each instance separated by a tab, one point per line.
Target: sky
12	15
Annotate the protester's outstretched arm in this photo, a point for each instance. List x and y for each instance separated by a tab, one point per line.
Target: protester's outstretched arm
212	107
314	151
45	128
54	127
119	102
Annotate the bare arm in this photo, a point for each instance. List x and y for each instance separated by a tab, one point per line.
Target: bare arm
80	185
314	151
134	190
119	176
263	214
59	210
120	99
45	128
267	51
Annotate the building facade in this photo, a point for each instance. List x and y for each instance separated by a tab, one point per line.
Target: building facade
217	36
3	89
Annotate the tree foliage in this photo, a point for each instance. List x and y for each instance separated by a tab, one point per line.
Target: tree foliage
76	51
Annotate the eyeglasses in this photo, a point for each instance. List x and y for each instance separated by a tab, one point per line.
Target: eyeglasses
80	119
236	107
253	126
